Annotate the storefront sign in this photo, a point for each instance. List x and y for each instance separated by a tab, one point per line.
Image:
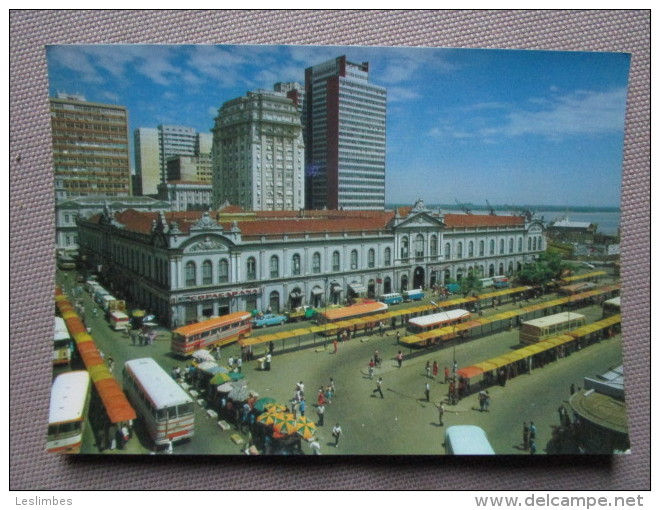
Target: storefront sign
215	295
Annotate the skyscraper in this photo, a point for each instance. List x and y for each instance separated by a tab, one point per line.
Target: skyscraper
345	137
155	146
259	153
90	148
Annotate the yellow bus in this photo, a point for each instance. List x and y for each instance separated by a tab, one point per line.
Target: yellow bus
348	313
535	330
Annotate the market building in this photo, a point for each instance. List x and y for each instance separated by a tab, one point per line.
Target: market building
184	266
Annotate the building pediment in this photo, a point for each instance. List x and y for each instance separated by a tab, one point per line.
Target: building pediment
421	220
206	244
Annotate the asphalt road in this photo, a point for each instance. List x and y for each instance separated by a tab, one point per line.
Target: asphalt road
402	422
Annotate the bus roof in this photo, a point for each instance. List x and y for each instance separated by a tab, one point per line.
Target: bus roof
468	440
199	327
68	396
61	331
162	389
350	311
435	318
614	301
557	318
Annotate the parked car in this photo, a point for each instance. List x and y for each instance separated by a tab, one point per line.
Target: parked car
270	319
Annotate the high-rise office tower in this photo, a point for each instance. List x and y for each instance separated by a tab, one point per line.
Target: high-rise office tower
90	148
155	146
259	153
345	137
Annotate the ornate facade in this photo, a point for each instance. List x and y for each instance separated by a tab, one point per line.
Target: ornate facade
186	265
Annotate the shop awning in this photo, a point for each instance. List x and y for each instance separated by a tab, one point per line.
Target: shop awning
335	288
317	291
295	294
358	288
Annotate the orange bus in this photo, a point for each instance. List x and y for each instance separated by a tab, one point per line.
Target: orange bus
217	331
347	313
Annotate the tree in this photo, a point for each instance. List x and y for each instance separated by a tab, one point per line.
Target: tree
547	267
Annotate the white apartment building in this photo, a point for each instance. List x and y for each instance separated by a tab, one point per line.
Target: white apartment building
258	153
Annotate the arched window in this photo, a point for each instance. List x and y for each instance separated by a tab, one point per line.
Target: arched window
371	258
251	268
501	246
529	244
540	240
354	259
492	247
404	248
419	246
274	302
207	272
295	265
336	266
434	247
482	247
459	250
447	251
388	257
471	249
511	245
274	267
191	274
316	263
223	271
534	244
520	244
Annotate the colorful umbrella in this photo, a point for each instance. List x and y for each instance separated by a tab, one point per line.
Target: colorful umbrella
286	427
275	408
270	418
260	405
305	427
220	378
236	375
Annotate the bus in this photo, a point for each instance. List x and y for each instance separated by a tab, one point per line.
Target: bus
535	330
467	440
69	402
63	345
413	295
612	307
419	325
119	320
348	313
216	331
165	409
393	298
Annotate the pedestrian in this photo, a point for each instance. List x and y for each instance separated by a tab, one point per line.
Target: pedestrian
487	402
320	398
315	446
398	336
428	369
572	389
377	359
482	401
441	412
446	375
525	436
334	344
399	358
271	347
427	391
381	328
532	433
268	361
302	406
379	386
320	411
532	447
239	364
336	432
332	386
371	368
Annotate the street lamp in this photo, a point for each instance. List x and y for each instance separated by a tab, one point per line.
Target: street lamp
454	366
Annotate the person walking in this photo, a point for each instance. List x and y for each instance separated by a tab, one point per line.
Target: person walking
428	369
435	370
315	446
370	368
525	436
399	358
269	359
441	412
427	391
379	387
446	375
532	435
334	344
320	411
302	407
336	432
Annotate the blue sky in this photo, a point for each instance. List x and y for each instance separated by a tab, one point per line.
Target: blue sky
467	125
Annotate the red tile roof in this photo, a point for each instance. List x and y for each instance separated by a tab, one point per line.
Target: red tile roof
482	220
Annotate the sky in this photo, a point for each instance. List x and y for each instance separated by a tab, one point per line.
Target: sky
463	125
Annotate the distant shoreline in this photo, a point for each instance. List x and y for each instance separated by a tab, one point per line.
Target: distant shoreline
500	208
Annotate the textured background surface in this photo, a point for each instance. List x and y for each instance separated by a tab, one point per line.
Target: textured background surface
32	238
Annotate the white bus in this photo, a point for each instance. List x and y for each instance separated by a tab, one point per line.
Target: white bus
119	320
536	330
467	440
419	325
62	344
612	307
69	403
165	409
